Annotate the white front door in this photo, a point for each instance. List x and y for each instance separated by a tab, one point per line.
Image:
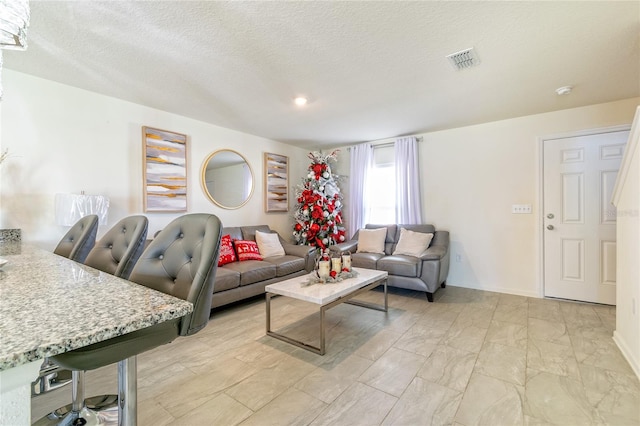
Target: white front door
579	219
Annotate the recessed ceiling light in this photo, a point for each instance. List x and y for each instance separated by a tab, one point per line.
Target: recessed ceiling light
564	90
300	101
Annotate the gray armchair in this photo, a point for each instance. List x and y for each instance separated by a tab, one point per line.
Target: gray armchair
427	273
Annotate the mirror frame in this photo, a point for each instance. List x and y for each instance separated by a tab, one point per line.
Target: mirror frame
203	181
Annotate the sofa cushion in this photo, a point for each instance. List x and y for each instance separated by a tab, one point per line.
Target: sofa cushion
234	231
249	232
391	239
412	243
247	250
226	279
365	260
286	265
372	240
252	271
269	244
227	252
402	265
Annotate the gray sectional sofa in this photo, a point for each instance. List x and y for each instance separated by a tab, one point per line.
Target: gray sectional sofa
425	273
240	280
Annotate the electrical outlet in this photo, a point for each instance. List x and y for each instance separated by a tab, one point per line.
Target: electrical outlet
521	208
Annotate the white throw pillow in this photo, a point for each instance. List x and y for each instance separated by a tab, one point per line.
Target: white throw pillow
269	244
371	240
412	243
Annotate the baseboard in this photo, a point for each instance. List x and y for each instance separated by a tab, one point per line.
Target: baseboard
505	290
627	353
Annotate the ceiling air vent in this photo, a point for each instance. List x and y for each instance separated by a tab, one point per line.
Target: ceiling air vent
464	59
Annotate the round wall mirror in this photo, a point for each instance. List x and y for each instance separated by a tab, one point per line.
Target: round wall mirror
227	179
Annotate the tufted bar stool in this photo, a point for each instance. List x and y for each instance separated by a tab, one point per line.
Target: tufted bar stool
180	261
119	249
79	240
75	245
116	253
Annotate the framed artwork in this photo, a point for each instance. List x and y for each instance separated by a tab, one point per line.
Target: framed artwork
276	183
165	170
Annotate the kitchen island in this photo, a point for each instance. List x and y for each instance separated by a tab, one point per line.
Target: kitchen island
50	304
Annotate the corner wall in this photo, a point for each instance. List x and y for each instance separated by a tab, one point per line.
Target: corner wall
627	200
64	139
471	176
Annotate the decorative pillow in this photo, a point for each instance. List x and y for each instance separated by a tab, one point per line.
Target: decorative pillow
371	240
247	250
227	253
412	243
269	244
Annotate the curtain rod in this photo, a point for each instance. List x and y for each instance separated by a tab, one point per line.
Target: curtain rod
385	144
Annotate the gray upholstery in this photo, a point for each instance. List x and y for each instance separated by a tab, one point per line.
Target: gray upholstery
425	273
79	240
119	249
239	280
180	261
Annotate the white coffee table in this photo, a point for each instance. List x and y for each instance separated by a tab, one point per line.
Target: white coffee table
326	296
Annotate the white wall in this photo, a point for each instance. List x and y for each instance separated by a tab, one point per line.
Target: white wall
627	200
64	139
472	175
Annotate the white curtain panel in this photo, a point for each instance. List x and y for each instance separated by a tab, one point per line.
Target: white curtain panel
408	200
360	163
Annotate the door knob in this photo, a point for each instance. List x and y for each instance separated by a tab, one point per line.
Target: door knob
550	227
550	216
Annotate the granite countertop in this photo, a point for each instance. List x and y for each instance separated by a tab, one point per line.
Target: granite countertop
50	304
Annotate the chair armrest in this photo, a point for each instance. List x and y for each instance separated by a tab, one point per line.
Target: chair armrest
350	245
439	247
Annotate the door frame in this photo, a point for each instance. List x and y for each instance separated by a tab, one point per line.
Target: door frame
540	189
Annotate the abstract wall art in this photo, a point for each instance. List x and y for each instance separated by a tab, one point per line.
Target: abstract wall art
165	170
276	181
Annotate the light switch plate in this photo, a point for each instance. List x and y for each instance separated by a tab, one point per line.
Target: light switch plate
521	208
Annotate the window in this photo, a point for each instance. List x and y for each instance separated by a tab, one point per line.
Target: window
381	187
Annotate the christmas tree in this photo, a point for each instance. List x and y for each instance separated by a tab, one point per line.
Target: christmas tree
319	205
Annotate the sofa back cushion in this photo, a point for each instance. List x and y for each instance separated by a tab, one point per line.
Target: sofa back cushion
234	231
249	232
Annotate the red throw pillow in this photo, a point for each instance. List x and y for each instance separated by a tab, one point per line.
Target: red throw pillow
247	250
227	254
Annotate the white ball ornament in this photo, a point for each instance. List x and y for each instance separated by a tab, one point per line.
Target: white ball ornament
304	235
311	175
341	237
325	241
338	203
325	175
325	214
321	189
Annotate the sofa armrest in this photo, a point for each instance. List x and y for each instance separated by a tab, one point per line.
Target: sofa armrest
439	247
297	250
350	245
306	252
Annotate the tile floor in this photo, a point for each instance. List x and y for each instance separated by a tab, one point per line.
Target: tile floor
471	358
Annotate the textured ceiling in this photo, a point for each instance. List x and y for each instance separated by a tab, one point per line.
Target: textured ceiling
371	70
